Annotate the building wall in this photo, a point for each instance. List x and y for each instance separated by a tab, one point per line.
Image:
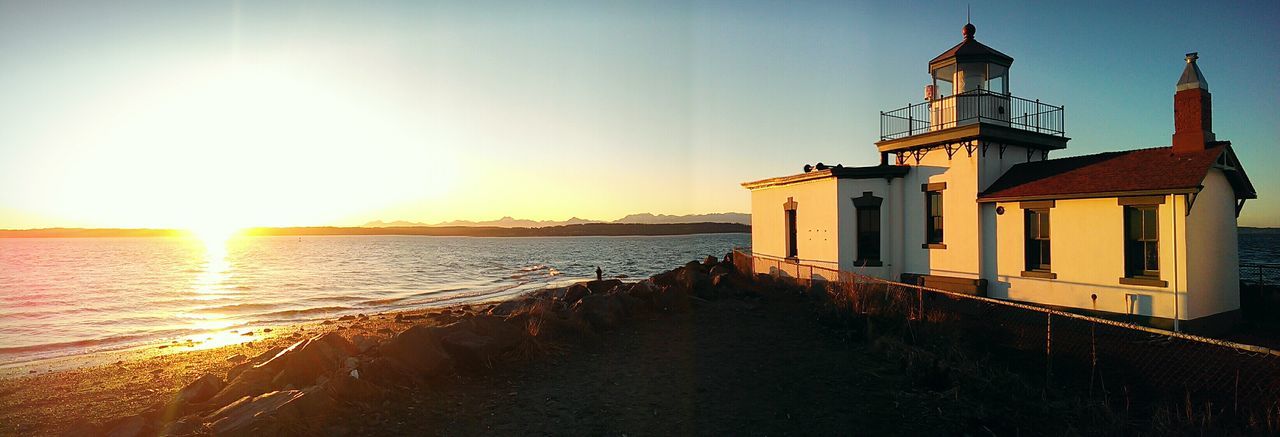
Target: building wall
890	224
1087	254
1214	278
959	215
817	222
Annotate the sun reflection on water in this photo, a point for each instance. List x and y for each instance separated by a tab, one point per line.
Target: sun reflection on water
213	329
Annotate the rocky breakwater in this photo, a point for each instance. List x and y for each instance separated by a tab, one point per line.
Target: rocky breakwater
314	385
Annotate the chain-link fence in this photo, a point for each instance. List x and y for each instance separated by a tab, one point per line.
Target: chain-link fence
1129	364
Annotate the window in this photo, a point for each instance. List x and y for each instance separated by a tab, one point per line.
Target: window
933	207
868	229
1141	242
1037	239
789	226
791	234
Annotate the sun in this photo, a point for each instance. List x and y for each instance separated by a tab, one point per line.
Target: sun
214	237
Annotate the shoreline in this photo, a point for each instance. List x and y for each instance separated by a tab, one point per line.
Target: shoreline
578	230
119	383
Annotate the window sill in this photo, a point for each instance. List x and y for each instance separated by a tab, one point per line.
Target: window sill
933	246
792	259
1039	274
1146	282
868	263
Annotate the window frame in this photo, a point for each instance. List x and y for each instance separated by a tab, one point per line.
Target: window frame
934	236
1140	274
791	229
868	204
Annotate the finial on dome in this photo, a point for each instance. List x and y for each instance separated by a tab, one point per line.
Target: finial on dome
968	31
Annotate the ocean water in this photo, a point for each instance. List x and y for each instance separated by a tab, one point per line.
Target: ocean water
66	296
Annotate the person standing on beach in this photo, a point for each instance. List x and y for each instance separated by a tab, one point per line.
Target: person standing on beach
599	274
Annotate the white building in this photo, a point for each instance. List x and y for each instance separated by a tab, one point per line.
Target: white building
973	203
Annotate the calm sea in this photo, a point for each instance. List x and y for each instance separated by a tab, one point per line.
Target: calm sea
64	296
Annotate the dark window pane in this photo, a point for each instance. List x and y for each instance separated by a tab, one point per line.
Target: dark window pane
1152	257
1149	224
1044	224
1133	222
1044	253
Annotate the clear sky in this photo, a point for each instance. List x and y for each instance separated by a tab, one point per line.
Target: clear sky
200	114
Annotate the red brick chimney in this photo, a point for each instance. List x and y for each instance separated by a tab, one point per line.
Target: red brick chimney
1192	110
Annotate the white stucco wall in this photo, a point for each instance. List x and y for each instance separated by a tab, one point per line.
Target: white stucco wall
890	224
1087	251
817	222
1213	278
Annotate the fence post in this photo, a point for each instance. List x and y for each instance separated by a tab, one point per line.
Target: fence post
1048	346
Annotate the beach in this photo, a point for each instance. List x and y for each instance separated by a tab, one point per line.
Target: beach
700	349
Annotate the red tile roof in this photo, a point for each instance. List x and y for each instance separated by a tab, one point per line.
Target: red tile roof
1157	170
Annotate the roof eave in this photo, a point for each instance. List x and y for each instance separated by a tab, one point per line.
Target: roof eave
1098	195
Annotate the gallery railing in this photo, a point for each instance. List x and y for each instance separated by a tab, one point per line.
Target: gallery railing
977	106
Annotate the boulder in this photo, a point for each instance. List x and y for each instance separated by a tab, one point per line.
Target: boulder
692	279
347	388
261	358
304	361
693	265
575	293
602	311
200	390
709	262
672	299
183	427
287	412
129	426
251	382
476	343
603	285
510	307
418	349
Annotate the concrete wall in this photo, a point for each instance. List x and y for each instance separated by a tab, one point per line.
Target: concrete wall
1213	279
1087	250
817	222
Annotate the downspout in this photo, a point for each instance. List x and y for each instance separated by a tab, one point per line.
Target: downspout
1173	213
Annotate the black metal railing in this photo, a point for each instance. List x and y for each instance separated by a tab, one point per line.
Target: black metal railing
977	106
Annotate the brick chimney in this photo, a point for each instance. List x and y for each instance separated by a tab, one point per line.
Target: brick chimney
1192	110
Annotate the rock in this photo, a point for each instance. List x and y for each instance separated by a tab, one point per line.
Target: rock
266	329
200	390
183	427
692	279
672	299
247	333
603	312
478	342
302	362
575	293
347	388
418	349
287	412
129	426
722	269
363	342
709	262
346	317
603	285
260	358
510	307
82	427
385	331
250	382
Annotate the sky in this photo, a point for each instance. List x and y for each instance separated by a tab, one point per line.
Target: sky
228	114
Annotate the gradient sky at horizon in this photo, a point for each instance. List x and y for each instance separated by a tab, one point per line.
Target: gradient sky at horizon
200	114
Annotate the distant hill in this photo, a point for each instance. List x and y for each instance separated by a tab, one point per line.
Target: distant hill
726	217
576	230
643	218
1249	230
